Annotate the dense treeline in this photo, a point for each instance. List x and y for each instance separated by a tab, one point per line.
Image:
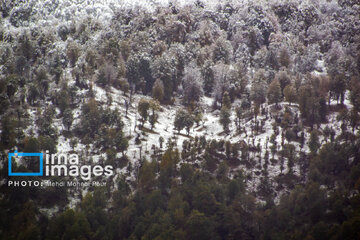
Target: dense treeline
190	203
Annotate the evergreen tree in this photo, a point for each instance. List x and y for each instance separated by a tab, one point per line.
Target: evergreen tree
143	107
224	120
284	57
226	102
192	85
154	107
314	143
274	92
158	90
290	94
179	120
68	118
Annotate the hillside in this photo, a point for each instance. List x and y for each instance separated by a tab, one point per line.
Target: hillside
219	119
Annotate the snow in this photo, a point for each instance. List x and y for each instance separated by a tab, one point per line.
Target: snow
67	12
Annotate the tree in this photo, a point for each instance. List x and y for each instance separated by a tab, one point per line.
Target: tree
226	102
107	75
207	73
42	81
355	93
283	79
67	118
199	227
274	92
309	104
124	85
33	94
338	87
284	57
132	70
63	99
73	53
143	107
89	118
161	141
225	118
192	85
45	123
183	120
179	120
258	88
163	68
158	90
314	143
8	134
221	73
188	122
290	94
354	118
24	223
11	83
147	175
239	115
222	50
154	106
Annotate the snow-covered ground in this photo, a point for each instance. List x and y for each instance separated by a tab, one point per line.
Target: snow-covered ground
65	12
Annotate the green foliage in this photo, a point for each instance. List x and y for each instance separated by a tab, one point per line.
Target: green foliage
198	194
143	108
226	102
314	143
45	123
198	227
274	92
290	94
68	118
225	118
183	119
72	52
158	90
8	133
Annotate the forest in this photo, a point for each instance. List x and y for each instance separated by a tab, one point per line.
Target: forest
220	119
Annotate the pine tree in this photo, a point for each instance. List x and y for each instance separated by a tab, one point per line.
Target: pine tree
284	57
226	102
158	90
225	118
179	120
68	118
154	107
143	107
274	92
314	143
192	85
290	94
73	53
258	88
